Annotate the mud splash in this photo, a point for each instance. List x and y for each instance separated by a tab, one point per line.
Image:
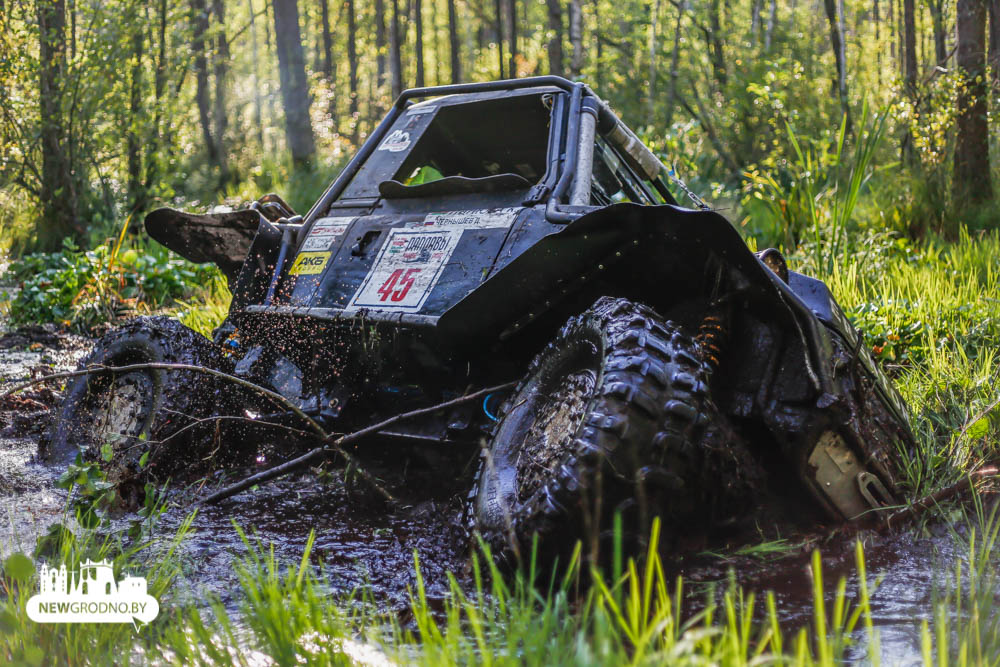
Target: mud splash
362	544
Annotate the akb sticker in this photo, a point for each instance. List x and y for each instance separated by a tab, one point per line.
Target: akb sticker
309	263
475	219
406	270
395	142
324	232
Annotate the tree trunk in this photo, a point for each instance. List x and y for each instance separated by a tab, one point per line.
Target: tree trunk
598	39
202	95
294	86
395	52
58	194
221	71
72	28
418	16
754	20
576	38
909	47
715	52
668	117
556	39
936	8
993	56
833	16
454	44
877	19
327	61
498	13
512	25
654	19
891	22
380	43
132	149
352	65
329	73
436	43
971	177
258	107
772	19
156	133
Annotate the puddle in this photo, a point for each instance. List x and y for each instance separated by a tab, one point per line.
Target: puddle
361	544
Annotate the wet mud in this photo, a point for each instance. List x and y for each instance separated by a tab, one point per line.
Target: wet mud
364	545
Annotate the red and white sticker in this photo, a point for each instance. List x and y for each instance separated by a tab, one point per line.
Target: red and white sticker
325	232
491	218
406	270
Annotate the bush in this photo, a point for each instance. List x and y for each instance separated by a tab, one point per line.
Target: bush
79	289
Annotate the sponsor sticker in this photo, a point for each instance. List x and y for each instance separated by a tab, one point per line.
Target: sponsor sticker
475	219
90	594
395	142
406	270
309	263
325	232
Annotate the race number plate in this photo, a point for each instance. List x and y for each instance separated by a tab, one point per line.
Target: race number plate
406	270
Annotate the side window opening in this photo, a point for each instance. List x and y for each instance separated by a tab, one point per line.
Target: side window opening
613	182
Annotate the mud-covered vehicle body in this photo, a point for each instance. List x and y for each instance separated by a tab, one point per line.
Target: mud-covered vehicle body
519	230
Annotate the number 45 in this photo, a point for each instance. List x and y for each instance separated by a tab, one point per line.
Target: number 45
401	278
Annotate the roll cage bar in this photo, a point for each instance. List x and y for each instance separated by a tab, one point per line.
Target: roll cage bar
587	113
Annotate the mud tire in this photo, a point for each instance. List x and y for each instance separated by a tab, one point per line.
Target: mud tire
156	403
633	436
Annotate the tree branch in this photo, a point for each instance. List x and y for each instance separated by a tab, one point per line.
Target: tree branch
337	445
331	444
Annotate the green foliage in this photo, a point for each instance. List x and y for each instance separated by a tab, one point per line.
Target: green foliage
205	307
79	288
815	195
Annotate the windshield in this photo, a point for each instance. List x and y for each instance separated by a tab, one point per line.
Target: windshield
431	142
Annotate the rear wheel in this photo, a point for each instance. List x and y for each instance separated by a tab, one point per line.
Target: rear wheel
611	413
140	424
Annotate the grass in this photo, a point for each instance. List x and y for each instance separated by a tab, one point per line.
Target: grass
932	314
639	617
930	311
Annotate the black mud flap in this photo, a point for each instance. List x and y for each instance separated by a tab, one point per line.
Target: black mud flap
221	238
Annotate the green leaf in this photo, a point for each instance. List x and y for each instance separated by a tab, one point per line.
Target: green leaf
8	621
144	459
979	428
107	452
18	566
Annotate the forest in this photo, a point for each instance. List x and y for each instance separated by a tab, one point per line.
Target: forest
111	108
858	137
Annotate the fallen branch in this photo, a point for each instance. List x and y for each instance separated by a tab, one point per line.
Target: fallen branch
918	508
278	398
97	370
336	445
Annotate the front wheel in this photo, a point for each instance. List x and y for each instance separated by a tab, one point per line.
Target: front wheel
611	412
139	424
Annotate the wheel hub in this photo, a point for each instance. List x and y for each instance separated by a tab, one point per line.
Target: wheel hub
120	410
558	415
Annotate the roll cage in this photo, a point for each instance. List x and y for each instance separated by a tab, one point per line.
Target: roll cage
578	116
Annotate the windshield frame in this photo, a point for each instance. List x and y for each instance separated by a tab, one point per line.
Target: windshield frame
402	136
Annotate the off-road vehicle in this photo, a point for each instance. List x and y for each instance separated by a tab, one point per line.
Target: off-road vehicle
517	230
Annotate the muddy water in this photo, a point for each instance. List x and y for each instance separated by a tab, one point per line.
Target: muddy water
363	544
